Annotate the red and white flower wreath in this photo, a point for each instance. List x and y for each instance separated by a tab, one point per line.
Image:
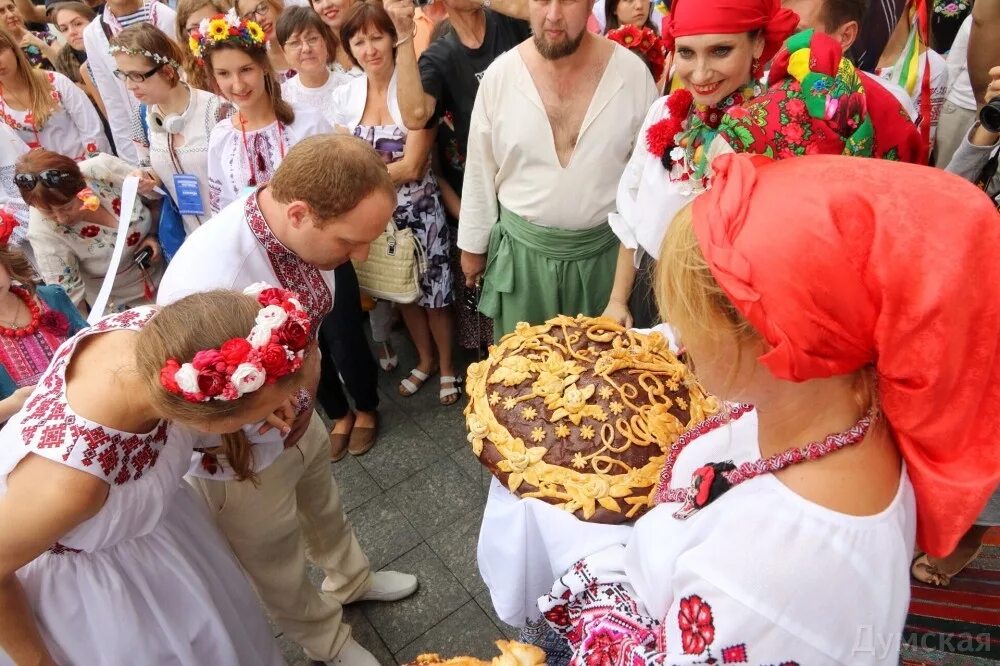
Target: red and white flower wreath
274	349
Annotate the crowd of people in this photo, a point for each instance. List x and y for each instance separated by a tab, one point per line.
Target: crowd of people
188	194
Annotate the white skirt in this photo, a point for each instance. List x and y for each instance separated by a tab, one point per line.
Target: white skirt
173	596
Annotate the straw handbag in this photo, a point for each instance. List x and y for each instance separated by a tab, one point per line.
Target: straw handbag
394	266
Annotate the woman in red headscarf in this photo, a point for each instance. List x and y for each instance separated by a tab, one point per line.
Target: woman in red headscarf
719	50
818	290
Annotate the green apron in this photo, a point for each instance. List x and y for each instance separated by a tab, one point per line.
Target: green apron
534	273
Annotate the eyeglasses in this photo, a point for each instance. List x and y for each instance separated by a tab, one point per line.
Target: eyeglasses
51	178
137	77
259	10
297	44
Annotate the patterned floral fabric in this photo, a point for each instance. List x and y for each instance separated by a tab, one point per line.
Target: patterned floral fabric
817	106
26	358
418	207
34	54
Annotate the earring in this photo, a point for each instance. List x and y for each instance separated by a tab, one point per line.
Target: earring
756	69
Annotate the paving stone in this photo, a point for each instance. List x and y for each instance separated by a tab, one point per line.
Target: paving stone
364	633
473	469
356	485
383	531
291	651
456	546
445	424
466	632
486	603
436	497
440	594
399	454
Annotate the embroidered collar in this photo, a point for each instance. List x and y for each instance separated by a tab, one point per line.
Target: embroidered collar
293	274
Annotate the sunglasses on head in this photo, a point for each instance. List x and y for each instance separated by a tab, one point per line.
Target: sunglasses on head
52	178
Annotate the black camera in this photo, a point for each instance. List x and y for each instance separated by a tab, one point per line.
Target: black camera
989	116
143	258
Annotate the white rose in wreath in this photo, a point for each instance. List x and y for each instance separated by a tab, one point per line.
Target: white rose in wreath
187	378
255	289
247	378
259	336
272	316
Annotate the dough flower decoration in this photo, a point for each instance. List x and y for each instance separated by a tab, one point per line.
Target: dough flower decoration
573	405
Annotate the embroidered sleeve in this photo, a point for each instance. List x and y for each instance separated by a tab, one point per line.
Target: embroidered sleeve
57	262
84	117
605	623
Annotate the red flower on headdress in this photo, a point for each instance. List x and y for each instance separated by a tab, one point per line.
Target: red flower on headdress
7	225
167	376
294	334
274	359
235	351
209	359
211	382
696	624
271	296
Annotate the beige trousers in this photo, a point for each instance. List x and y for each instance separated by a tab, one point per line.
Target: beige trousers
953	124
294	512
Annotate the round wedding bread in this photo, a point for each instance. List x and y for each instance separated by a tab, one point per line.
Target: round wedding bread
512	653
580	412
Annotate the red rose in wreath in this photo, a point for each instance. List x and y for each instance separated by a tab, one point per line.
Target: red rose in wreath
271	296
211	382
294	334
167	376
696	624
90	231
275	360
133	238
235	351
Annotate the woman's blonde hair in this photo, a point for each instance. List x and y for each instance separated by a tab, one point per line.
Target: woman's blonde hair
282	109
16	263
40	101
197	76
691	300
179	331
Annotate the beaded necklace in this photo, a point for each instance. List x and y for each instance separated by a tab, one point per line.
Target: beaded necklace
33	308
712	480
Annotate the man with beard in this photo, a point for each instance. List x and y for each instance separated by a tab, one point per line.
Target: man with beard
553	125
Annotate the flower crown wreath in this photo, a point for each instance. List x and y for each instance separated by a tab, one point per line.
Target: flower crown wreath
155	57
644	42
274	349
225	29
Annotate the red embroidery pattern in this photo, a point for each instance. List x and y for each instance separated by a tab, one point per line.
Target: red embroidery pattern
293	273
48	422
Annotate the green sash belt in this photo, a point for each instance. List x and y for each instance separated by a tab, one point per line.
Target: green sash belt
534	273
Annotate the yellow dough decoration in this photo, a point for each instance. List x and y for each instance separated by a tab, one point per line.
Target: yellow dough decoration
616	400
512	653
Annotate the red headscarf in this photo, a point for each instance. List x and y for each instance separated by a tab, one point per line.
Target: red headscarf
729	17
841	262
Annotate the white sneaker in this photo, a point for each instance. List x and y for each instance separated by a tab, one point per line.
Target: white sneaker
352	654
390	586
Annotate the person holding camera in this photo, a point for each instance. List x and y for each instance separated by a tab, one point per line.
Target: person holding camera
73	228
977	156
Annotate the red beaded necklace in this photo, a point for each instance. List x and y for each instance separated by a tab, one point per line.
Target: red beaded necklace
711	480
33	308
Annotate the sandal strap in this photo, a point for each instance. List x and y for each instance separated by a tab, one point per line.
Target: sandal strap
422	376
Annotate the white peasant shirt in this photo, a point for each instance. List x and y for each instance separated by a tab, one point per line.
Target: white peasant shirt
233	163
74	129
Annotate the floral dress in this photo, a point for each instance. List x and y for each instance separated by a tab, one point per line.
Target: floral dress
34	54
418	207
77	256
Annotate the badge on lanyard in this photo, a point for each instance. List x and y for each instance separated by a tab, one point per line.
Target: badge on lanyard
188	191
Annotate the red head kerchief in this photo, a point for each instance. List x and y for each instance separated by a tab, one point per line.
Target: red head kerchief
728	17
841	262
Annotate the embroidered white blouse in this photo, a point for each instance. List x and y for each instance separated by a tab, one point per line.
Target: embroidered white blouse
234	250
186	150
77	256
512	159
118	101
318	99
759	576
938	85
233	163
11	147
74	129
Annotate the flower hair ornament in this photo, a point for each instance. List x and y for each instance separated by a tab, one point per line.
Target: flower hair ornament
155	57
8	223
89	199
274	349
225	29
645	43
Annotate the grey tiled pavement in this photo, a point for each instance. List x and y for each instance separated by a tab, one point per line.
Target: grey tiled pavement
416	501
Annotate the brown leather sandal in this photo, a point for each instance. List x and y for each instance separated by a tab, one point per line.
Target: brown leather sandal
363	438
